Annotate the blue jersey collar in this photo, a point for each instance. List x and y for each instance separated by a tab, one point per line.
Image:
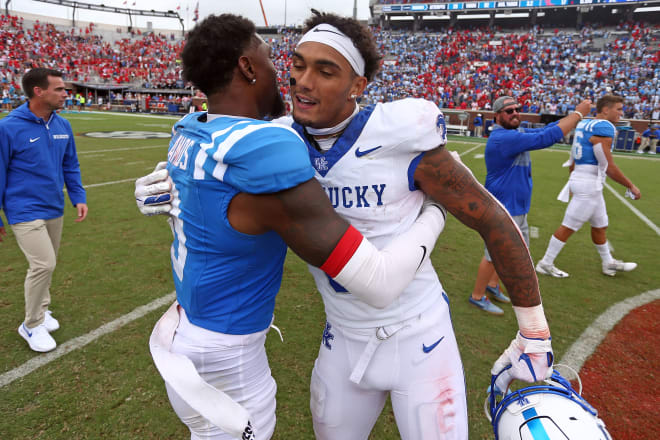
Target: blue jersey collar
323	162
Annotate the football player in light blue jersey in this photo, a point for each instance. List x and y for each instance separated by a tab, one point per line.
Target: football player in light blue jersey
242	190
592	162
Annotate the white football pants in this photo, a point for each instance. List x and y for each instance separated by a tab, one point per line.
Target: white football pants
235	364
416	362
586	205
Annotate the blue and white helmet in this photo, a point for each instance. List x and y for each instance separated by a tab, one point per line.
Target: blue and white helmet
551	411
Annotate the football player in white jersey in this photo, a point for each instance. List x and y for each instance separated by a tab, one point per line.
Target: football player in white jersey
243	189
592	162
376	165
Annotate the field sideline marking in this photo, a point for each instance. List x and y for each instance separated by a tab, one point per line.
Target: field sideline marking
590	339
133	115
79	342
471	149
121	149
635	211
614	154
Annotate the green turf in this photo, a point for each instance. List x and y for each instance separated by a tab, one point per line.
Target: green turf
118	260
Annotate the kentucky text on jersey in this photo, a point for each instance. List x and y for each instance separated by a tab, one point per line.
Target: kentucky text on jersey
356	196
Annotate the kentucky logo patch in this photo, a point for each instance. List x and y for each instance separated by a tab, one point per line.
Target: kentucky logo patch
440	125
327	336
320	164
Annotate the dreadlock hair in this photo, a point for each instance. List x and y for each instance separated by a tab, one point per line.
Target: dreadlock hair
359	34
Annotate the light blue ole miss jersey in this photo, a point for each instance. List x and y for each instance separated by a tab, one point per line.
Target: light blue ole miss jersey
368	175
582	150
226	280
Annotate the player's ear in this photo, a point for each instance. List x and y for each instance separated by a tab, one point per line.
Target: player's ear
246	69
357	89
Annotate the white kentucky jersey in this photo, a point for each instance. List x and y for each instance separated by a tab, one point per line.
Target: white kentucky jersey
589	159
368	176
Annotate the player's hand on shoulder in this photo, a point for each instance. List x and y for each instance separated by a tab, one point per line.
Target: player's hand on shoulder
153	192
527	359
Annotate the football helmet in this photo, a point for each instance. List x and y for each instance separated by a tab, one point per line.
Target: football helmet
551	411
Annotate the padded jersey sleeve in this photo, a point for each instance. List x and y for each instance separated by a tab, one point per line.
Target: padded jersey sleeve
413	125
604	129
268	159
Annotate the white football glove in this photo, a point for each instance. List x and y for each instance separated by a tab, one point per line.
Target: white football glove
530	360
152	192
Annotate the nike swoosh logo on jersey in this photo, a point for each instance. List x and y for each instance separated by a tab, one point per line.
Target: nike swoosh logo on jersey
428	349
359	153
34	140
423	255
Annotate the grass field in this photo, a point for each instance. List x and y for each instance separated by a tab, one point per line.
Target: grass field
118	260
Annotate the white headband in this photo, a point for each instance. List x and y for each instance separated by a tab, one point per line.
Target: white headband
331	36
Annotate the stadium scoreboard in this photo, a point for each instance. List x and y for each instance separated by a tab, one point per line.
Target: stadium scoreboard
427	8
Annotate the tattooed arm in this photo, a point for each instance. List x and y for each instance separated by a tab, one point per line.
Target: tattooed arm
451	184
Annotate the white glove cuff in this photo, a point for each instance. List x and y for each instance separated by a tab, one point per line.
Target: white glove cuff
532	322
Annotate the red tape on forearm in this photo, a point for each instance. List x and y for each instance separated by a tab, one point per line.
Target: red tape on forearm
343	252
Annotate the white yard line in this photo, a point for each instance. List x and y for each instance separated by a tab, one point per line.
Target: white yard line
471	149
614	153
79	342
635	211
94	185
586	344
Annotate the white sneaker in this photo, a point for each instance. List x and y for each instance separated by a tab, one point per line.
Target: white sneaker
550	269
38	338
615	266
50	323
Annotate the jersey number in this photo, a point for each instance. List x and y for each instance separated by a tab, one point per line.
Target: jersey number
178	251
577	145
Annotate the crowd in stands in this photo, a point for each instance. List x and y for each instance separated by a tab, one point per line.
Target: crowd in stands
146	60
548	72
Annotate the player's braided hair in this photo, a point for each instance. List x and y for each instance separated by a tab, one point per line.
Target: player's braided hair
212	50
358	33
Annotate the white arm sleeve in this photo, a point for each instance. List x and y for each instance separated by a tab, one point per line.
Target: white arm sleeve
379	277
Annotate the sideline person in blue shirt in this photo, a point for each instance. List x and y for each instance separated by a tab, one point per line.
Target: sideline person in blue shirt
649	139
37	158
509	179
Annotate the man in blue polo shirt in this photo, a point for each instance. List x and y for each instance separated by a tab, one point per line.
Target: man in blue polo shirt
37	158
650	138
509	179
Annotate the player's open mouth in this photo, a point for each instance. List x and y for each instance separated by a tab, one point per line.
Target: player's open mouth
304	103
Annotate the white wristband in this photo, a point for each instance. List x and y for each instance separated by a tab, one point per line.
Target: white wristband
579	114
532	322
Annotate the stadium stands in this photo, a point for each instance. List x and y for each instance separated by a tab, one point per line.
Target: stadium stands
547	70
